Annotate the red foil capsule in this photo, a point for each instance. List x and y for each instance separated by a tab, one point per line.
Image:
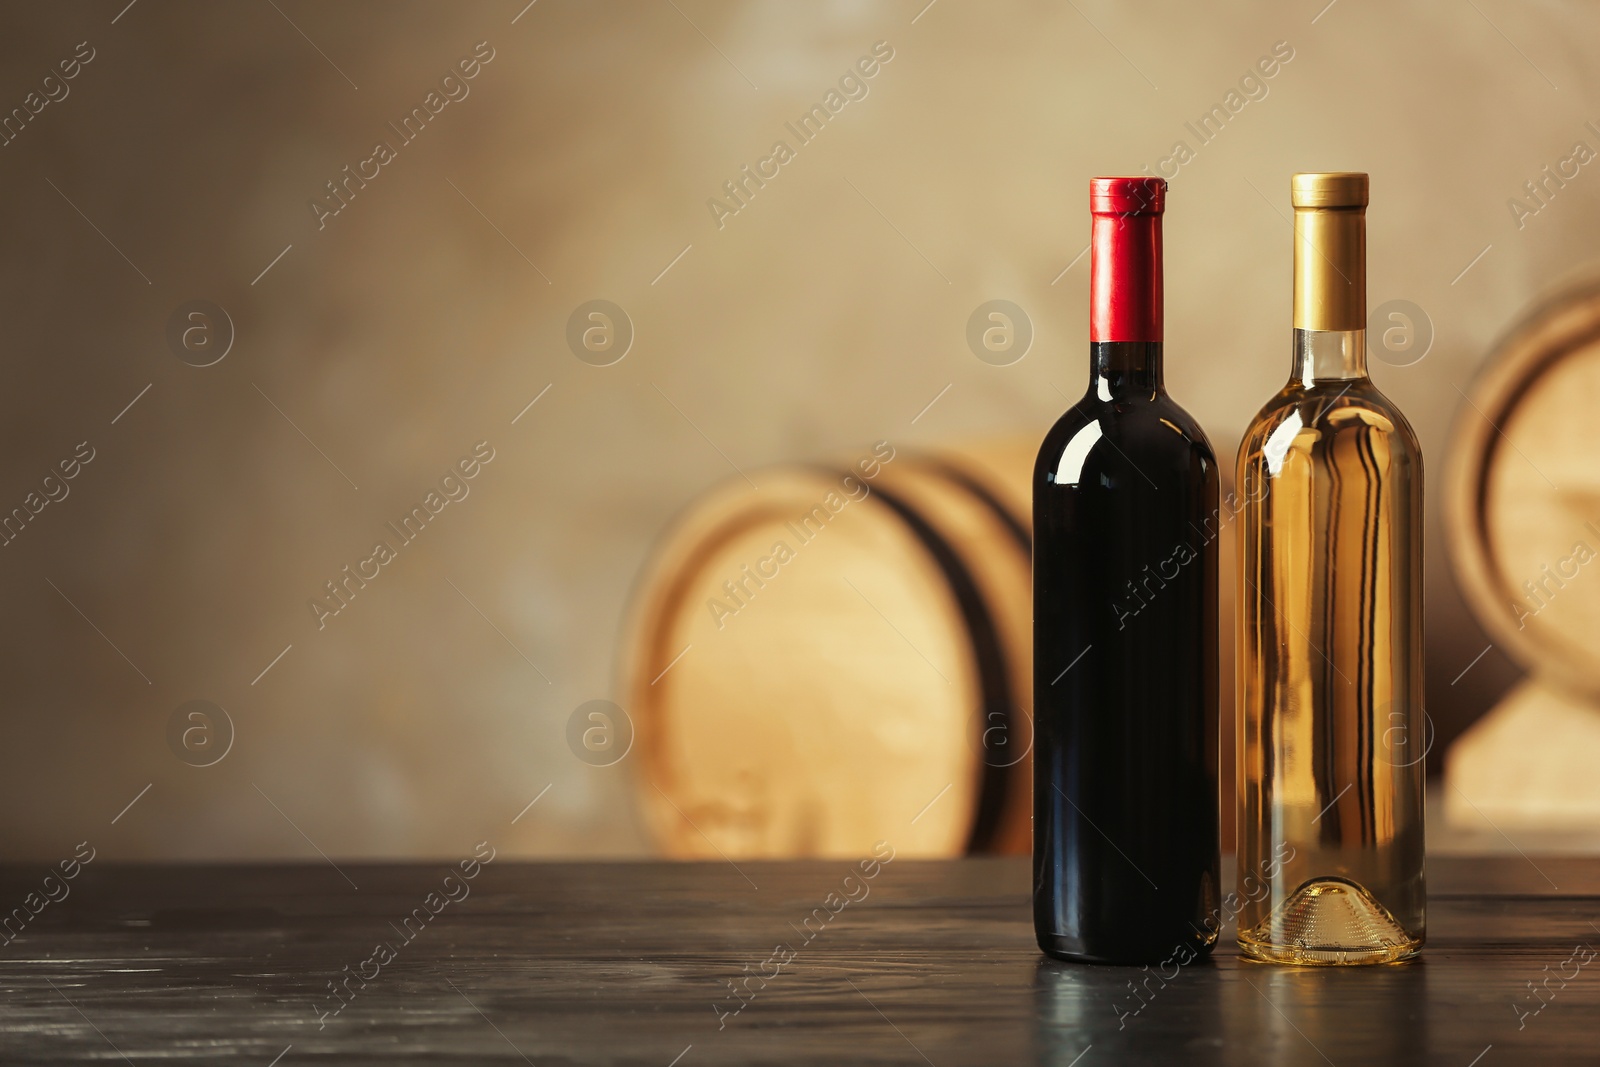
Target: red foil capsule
1125	258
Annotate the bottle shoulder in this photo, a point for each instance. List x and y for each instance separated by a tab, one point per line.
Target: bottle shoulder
1324	412
1097	435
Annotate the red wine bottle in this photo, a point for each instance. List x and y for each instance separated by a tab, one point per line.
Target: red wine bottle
1125	830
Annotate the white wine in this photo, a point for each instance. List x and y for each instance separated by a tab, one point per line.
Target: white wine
1330	660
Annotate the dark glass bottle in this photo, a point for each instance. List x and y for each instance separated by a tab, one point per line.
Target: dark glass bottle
1126	853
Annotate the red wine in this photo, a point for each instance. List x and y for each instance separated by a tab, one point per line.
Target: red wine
1125	831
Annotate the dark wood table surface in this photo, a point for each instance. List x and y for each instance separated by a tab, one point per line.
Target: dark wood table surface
631	963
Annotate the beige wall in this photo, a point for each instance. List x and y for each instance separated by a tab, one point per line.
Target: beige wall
408	329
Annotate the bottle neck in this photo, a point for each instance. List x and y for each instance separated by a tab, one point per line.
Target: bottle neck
1330	277
1122	368
1125	277
1329	356
1330	268
1330	293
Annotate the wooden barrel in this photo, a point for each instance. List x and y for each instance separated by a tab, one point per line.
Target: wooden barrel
840	657
1523	491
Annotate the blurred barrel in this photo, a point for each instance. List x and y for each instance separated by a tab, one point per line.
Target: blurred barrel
1522	510
1523	491
839	657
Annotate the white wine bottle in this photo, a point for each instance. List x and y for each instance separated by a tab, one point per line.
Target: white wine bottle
1330	650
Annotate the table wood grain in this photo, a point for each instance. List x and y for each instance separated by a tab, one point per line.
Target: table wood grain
631	963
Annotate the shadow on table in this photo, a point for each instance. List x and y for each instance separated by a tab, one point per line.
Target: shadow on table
1226	1010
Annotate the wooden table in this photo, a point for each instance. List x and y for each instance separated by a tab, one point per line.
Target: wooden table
630	963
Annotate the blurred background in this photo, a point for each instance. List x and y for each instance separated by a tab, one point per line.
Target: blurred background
274	340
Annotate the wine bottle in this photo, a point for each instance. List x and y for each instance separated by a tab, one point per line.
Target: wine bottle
1331	720
1125	849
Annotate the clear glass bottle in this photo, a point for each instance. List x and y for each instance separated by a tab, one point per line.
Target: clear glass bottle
1330	653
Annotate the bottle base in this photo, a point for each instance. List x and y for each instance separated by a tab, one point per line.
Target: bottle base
1329	922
